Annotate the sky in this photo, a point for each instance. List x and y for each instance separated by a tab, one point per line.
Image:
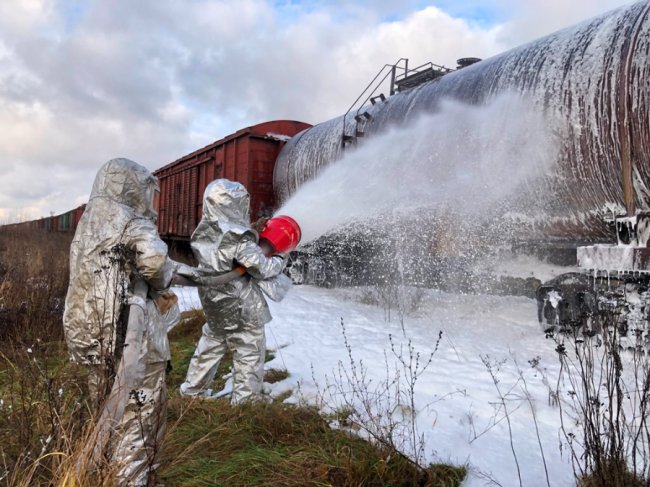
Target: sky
82	82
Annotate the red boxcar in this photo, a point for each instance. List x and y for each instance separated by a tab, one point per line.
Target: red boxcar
76	216
247	156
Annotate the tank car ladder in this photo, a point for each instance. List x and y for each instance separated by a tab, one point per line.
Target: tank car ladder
401	78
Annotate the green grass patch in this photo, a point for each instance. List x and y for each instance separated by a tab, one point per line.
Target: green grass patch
211	443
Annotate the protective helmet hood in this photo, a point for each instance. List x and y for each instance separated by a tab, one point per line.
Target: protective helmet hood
226	201
127	183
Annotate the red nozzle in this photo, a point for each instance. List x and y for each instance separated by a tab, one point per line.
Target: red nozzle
281	233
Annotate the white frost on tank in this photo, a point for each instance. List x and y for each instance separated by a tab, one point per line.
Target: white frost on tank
608	258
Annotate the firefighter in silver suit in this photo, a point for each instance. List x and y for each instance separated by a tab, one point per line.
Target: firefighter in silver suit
116	244
236	311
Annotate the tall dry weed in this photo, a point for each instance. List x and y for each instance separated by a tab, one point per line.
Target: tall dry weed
41	415
33	282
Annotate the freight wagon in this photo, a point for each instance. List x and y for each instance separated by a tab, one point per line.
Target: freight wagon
65	222
247	156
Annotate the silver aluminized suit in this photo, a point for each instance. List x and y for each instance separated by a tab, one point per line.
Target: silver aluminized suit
117	242
236	311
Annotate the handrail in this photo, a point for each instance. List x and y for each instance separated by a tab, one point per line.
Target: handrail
369	85
373	92
391	70
439	67
394	77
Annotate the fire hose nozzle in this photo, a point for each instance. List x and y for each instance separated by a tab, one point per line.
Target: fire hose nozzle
280	235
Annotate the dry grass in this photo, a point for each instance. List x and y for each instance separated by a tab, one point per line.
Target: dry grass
612	474
33	283
42	415
275	375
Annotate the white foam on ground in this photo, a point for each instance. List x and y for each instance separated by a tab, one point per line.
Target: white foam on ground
456	392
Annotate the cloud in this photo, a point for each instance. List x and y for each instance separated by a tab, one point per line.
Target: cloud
83	82
535	18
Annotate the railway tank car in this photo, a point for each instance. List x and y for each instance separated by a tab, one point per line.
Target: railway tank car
594	78
247	156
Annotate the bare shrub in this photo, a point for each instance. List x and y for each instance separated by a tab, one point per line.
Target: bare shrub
385	411
604	400
510	399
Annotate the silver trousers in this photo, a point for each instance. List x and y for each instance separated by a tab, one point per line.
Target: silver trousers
248	345
139	436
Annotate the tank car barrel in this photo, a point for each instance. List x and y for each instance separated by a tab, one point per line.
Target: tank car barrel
591	77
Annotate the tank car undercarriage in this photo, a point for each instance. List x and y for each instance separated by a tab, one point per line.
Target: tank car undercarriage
612	290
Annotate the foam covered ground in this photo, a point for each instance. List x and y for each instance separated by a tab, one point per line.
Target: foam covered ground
458	407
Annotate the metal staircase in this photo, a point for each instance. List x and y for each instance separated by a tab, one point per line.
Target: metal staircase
401	78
